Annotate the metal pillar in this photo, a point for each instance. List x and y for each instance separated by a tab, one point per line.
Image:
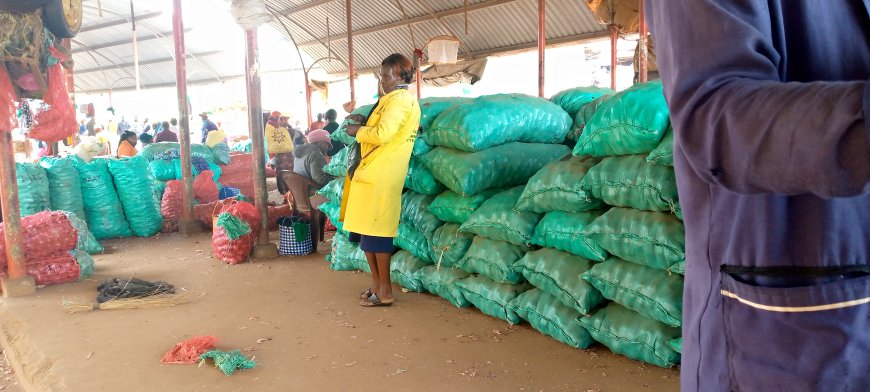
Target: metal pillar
614	36
352	74
18	283
135	44
188	224
542	43
642	41
307	98
263	248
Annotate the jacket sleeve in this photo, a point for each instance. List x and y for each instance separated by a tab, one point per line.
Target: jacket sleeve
393	117
314	163
739	126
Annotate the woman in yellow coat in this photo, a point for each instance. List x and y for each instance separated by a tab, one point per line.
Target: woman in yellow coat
372	199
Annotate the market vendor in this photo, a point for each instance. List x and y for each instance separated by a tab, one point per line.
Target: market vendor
166	135
310	158
126	145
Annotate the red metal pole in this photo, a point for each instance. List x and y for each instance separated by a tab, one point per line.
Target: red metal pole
352	71
642	67
264	248
614	36
542	44
308	99
188	224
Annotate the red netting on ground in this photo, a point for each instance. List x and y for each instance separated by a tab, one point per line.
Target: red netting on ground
204	188
172	205
239	174
231	251
44	233
8	98
54	269
59	120
188	351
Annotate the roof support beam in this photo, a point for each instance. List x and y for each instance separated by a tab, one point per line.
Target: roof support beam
415	20
165	34
303	7
118	22
147	62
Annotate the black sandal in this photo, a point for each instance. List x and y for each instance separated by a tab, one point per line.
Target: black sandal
366	294
374	301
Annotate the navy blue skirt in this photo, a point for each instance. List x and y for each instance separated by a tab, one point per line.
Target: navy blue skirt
372	244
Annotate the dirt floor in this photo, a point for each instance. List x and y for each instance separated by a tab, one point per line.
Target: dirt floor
8	382
301	323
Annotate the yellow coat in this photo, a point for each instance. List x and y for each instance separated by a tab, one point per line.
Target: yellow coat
372	201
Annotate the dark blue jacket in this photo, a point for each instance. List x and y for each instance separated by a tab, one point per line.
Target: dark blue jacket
769	102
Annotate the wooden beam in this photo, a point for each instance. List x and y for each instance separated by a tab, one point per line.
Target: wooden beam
147	62
415	20
165	34
118	22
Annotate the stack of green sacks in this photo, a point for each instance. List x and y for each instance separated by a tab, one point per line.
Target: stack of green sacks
633	236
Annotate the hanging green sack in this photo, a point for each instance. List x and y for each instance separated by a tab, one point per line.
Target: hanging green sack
341	135
502	166
584	115
628	333
455	208
632	122
163	170
494	259
654	239
337	166
136	192
432	107
492	298
63	185
221	153
552	318
676	344
564	231
556	187
86	241
333	190
404	270
409	239
664	153
558	274
449	245
421	180
443	283
33	189
103	210
631	181
345	254
653	293
414	213
496	219
574	99
493	120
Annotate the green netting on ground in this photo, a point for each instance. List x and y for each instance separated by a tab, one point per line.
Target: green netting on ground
136	191
33	188
557	187
442	282
632	122
492	298
63	185
337	166
497	219
228	362
421	180
341	135
494	259
631	181
103	210
455	208
409	239
653	239
653	293
574	99
552	318
558	274
506	165
449	245
584	115
416	214
629	333
564	231
494	120
404	270
664	153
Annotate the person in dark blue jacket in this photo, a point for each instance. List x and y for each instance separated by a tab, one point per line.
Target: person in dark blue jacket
769	102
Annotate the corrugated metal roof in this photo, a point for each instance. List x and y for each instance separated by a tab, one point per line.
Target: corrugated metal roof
105	54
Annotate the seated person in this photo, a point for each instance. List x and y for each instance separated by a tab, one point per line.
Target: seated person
307	175
145	139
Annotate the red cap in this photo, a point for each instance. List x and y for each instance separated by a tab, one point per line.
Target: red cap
275	114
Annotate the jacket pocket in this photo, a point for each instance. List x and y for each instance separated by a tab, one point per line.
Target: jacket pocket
807	338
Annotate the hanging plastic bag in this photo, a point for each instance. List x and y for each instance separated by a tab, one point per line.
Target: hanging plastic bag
59	120
278	140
